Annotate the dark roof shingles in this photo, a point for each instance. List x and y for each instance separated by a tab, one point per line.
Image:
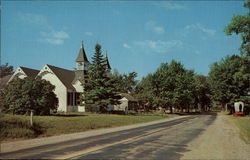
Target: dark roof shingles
128	97
32	73
65	76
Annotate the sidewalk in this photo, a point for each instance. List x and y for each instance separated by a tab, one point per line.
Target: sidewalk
25	144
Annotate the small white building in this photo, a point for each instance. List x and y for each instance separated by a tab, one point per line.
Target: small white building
127	102
239	107
69	84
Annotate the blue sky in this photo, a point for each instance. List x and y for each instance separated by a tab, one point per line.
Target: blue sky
138	35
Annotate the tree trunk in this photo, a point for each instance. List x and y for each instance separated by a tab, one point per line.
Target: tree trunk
223	106
199	107
171	109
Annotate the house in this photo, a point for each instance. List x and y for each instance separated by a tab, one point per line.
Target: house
127	102
69	84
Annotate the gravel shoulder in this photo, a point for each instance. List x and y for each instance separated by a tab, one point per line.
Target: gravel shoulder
221	140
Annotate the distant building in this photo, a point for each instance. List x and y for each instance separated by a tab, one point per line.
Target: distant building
69	84
127	102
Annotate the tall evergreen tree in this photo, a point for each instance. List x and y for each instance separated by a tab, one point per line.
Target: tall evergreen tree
99	90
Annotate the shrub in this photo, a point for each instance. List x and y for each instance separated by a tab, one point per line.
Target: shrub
23	95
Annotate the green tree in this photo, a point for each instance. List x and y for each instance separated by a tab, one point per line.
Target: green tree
23	95
170	86
229	79
99	90
202	92
125	83
145	93
5	70
240	24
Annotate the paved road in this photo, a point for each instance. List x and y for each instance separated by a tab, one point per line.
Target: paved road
166	140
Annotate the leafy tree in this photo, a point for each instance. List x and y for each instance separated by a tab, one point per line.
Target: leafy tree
202	92
99	90
229	79
5	70
23	95
125	83
175	85
170	86
240	24
144	92
129	82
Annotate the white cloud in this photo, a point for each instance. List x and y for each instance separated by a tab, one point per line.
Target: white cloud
199	27
47	33
172	6
52	41
34	20
157	46
60	35
54	37
125	45
151	26
88	33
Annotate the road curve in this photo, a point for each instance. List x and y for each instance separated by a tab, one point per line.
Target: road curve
167	140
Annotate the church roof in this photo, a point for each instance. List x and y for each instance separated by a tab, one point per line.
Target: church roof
82	55
65	76
128	97
32	73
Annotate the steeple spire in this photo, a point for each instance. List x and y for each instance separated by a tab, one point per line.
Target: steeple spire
82	55
106	62
82	44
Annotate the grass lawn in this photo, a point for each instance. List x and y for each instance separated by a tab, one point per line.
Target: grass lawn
15	127
244	125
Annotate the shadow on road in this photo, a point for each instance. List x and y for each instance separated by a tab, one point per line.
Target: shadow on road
170	143
197	113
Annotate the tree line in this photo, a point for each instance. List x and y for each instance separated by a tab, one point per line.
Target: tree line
171	86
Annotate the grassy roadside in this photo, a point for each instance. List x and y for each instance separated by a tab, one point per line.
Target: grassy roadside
16	127
244	125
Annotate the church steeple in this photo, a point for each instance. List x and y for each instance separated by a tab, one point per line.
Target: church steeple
82	55
106	63
82	60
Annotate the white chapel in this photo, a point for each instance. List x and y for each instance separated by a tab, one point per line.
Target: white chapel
69	84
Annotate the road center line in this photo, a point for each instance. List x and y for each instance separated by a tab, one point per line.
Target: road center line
92	149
